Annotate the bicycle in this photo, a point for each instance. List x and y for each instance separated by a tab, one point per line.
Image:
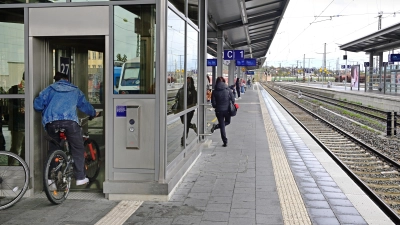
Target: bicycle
57	180
14	179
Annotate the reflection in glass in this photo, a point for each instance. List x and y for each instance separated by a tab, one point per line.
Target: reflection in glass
191	135
134	49
12	51
175	61
191	100
95	93
193	11
174	135
47	1
12	136
179	4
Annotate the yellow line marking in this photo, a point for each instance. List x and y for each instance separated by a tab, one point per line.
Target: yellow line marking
292	205
215	119
120	213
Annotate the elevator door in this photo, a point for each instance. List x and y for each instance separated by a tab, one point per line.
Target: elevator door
82	59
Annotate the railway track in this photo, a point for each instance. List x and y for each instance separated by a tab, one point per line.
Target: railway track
377	174
375	113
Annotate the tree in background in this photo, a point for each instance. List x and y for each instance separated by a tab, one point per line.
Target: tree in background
122	58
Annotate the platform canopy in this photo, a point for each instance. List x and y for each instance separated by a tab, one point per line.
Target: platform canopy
248	25
380	41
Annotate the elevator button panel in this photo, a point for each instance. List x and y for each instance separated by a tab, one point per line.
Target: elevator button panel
132	127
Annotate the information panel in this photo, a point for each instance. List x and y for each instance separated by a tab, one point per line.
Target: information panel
240	62
211	62
250	62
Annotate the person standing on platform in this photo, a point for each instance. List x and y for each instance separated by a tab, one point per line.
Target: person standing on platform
237	84
220	100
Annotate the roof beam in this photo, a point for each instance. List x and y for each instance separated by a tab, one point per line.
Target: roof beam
251	20
262	5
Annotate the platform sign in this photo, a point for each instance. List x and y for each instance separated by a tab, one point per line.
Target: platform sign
250	62
394	58
366	64
211	62
344	66
228	54
250	72
239	54
240	62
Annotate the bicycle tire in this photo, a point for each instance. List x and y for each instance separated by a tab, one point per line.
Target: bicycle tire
92	167
12	178
58	188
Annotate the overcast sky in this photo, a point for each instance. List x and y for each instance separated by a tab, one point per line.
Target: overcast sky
340	21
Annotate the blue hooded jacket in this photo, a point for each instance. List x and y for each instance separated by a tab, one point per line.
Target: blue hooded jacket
60	100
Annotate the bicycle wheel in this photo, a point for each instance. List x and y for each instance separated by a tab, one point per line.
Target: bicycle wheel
14	179
57	177
92	159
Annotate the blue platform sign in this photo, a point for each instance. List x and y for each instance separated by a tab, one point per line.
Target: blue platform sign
250	62
211	62
239	54
228	54
366	64
394	58
121	111
240	62
250	72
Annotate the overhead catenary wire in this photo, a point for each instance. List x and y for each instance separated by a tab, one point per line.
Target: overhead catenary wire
336	36
305	28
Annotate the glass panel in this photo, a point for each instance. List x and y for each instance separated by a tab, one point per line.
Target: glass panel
12	51
46	1
174	137
179	4
175	62
193	11
12	137
191	73
134	49
95	79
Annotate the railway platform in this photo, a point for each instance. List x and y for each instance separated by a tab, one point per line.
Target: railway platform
272	172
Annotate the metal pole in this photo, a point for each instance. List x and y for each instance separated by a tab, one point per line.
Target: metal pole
304	68
345	72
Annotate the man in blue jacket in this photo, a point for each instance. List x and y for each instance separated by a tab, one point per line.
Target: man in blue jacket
58	103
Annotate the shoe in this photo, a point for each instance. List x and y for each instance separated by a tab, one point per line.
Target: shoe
225	145
193	126
82	182
214	126
52	185
240	97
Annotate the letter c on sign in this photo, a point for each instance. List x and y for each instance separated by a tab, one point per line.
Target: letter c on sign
230	54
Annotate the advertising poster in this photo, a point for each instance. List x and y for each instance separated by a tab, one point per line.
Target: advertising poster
355	76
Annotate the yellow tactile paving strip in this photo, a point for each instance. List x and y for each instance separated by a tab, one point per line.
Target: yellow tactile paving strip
292	205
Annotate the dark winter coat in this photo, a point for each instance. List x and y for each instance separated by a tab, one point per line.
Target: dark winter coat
221	96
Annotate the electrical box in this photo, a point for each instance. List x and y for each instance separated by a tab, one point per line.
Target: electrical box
132	127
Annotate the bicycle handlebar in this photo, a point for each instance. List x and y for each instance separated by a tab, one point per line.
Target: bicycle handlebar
89	118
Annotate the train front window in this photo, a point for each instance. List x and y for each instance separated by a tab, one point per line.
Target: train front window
130	74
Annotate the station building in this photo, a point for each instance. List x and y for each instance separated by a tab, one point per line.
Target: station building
129	58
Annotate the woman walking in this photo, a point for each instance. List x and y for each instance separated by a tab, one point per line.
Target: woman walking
220	100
